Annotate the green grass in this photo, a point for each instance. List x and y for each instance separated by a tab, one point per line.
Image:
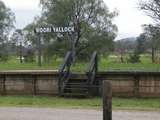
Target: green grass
105	63
136	103
112	63
14	64
45	101
92	103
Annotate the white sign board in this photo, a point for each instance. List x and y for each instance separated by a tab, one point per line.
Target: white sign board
54	29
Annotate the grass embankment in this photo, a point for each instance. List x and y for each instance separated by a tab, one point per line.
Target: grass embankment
94	103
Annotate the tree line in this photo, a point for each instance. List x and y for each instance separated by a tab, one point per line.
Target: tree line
94	30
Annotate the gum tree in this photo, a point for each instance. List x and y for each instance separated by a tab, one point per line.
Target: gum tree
6	24
152	9
91	19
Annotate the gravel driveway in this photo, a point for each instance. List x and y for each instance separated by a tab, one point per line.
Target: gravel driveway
71	114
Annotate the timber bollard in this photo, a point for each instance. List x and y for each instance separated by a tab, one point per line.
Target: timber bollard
107	100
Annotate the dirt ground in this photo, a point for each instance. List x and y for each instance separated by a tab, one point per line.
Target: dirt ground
71	114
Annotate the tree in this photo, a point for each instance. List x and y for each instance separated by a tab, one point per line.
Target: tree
6	24
91	19
125	46
38	43
18	39
134	57
119	46
151	8
141	44
153	39
6	21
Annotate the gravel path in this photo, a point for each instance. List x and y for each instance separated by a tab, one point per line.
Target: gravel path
71	114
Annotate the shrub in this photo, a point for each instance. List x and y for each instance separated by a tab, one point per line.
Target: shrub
134	58
3	56
29	57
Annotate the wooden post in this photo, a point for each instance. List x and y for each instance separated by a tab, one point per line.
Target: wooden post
4	85
20	52
107	100
39	50
34	84
136	86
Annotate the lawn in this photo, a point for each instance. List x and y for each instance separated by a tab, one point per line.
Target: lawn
89	103
14	64
112	63
105	63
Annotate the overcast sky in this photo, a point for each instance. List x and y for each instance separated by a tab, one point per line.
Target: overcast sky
129	20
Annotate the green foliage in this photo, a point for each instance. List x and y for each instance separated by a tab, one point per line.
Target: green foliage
30	35
6	21
152	34
141	44
91	19
124	46
134	58
152	31
4	56
30	57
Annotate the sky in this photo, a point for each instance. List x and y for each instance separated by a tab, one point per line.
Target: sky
129	21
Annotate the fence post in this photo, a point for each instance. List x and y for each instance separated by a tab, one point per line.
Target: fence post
3	92
34	84
107	100
136	86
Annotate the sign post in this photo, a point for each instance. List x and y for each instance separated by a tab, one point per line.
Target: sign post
39	50
40	30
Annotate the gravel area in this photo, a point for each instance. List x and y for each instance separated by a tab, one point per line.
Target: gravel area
71	114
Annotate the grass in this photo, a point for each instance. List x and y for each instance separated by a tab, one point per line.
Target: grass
112	63
14	64
92	103
51	102
136	103
105	63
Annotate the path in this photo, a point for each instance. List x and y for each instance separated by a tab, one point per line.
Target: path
71	114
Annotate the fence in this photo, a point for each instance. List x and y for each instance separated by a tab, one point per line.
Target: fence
136	84
125	84
29	82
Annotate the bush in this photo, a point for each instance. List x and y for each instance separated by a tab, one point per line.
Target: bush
3	56
134	58
29	57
